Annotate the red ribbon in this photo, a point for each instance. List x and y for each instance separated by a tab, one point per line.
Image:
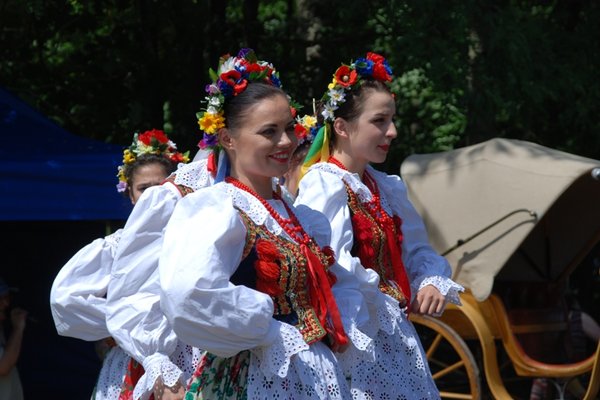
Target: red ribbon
211	164
322	297
395	254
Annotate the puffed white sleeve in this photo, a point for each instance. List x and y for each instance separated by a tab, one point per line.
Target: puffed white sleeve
424	265
134	317
203	247
77	296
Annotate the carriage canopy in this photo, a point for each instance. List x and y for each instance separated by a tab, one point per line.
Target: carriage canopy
541	207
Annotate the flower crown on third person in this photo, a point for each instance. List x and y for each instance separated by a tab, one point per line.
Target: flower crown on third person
306	128
347	77
149	142
232	78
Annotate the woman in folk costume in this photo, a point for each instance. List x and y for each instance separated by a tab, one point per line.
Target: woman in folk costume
375	231
161	364
244	275
78	294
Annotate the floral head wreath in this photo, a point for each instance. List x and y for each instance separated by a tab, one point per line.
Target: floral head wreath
150	142
232	78
306	129
345	79
348	77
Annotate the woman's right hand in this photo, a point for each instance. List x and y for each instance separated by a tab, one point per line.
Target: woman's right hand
163	392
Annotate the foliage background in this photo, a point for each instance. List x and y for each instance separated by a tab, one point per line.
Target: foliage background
468	70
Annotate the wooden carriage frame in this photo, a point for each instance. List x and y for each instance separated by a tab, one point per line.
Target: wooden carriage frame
477	341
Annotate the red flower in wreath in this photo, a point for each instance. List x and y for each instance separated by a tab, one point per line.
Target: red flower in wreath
253	67
233	79
380	72
156	134
376	58
300	131
345	76
177	157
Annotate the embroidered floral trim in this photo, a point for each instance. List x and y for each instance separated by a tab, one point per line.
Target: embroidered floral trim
281	272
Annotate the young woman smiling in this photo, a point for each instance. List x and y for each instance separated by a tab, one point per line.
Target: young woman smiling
244	275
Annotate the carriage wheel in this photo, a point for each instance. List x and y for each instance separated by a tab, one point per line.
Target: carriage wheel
452	364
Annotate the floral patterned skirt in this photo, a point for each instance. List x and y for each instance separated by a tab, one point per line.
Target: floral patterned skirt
313	374
220	378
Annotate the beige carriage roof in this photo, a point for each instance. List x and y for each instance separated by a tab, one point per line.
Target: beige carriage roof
462	191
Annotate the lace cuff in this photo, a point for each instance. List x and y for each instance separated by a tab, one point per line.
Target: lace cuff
274	359
446	286
156	365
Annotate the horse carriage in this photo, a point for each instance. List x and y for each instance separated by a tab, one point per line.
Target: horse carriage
515	220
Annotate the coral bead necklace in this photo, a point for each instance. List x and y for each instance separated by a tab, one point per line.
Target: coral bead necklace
374	205
291	225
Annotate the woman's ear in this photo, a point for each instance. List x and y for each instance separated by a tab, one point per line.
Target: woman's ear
340	127
225	139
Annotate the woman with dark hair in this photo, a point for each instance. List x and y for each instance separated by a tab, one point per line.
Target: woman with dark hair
78	294
377	236
244	275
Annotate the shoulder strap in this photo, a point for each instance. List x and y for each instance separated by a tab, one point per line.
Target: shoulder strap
251	231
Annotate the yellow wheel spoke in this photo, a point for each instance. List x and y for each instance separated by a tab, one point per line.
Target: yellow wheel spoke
434	345
448	369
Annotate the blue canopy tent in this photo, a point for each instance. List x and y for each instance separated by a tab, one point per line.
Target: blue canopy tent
48	173
57	194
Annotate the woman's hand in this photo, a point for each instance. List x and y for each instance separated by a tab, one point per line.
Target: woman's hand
163	392
429	301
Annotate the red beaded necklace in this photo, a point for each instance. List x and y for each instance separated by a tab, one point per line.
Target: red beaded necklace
374	205
291	225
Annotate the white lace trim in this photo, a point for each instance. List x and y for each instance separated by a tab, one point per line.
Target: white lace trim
353	180
399	372
446	286
389	314
110	379
179	367
275	358
361	348
257	212
313	374
193	175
